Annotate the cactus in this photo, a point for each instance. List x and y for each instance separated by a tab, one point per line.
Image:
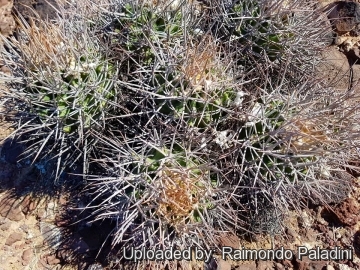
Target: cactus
67	87
203	109
165	193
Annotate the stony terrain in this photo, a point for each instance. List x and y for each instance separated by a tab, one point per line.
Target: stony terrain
30	217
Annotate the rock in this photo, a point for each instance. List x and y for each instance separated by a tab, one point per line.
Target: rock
28	205
305	220
52	260
42	264
348	212
5	226
64	255
356	51
223	265
229	240
10	209
306	264
41	214
356	79
345	21
60	221
335	69
6	70
287	263
330	234
7	22
27	256
25	204
265	265
50	213
343	267
25	228
13	238
291	234
279	266
19	246
345	17
247	266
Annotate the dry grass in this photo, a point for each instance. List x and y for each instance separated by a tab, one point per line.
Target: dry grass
200	65
43	44
180	195
307	136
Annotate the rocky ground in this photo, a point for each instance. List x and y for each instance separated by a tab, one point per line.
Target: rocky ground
32	219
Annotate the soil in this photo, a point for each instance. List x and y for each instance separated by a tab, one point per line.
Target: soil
36	230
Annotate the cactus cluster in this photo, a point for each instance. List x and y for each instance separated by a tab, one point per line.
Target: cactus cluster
190	119
67	86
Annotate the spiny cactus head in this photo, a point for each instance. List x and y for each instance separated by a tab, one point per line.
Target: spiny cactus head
66	79
181	196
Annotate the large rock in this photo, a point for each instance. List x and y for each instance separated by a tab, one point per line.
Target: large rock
335	69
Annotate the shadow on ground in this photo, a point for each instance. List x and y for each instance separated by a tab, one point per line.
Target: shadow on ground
27	186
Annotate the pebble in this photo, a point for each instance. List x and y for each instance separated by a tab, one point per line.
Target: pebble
13	238
52	260
10	209
27	256
223	265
